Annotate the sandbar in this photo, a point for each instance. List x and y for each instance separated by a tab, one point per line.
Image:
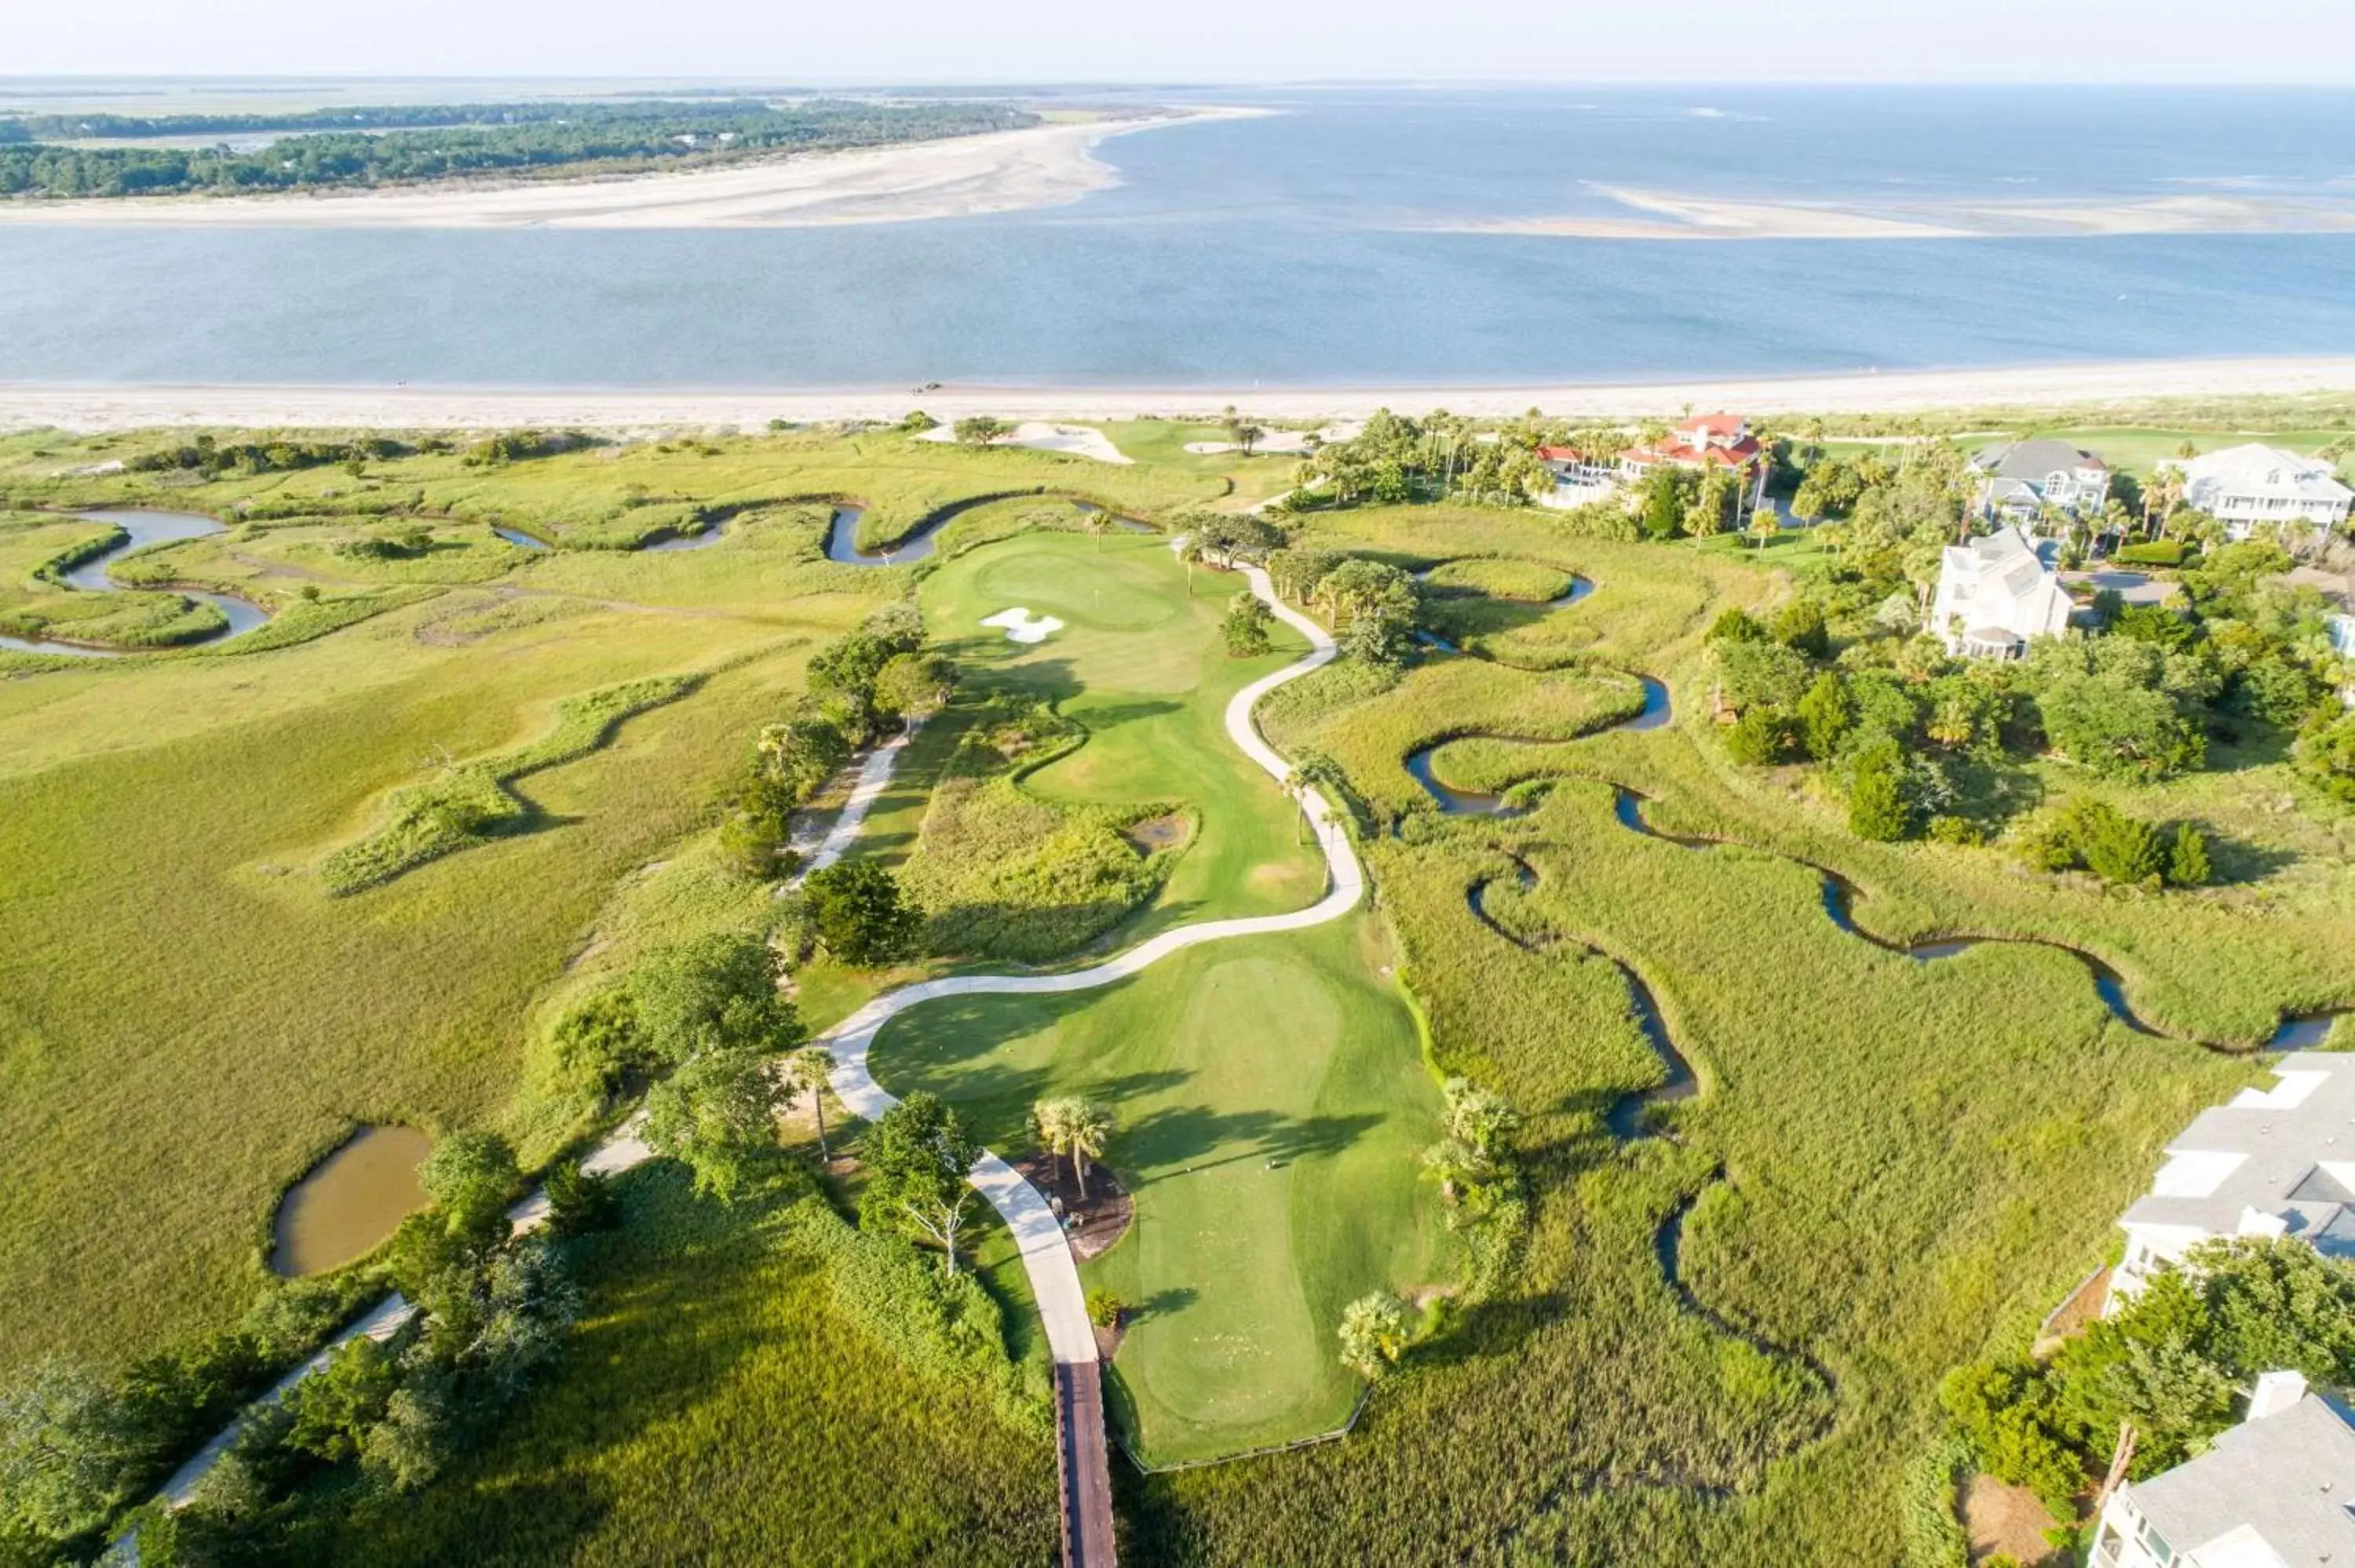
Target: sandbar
1670	215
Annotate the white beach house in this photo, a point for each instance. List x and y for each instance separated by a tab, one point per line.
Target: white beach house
2017	480
2245	485
2268	1163
2276	1492
1995	595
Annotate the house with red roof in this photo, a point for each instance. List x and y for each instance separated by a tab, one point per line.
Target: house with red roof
1719	442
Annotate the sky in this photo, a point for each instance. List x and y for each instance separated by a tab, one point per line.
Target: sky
2239	41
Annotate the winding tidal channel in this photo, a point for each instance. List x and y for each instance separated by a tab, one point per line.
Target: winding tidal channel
144	529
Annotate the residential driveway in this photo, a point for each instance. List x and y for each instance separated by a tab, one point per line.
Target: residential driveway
2132	587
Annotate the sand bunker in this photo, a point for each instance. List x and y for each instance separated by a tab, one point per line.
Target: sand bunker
1021	626
1080	440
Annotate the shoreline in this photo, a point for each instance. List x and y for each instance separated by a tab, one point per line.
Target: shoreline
95	407
1051	165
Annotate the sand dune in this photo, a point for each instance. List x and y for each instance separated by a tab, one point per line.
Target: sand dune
101	407
1005	171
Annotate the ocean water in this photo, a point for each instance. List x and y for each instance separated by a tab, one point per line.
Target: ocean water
1308	247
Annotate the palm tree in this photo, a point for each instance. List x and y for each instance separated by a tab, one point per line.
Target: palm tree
1087	1128
1047	1121
812	1065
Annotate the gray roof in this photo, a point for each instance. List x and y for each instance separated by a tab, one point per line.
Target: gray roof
2275	1151
2034	459
2288	1479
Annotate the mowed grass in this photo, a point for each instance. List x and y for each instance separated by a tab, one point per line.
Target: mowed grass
1272	1102
1140	666
718	1403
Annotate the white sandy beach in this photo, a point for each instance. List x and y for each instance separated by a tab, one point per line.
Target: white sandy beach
1659	214
105	407
960	177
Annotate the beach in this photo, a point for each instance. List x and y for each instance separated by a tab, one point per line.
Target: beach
959	176
89	408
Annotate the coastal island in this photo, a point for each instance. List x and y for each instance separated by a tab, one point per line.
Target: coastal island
657	164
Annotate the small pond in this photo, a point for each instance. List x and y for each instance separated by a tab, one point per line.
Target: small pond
351	1200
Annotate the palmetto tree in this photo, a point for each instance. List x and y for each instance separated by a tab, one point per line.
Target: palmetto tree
1047	1122
811	1067
1087	1128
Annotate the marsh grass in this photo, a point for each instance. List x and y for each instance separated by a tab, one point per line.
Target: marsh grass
756	1384
471	802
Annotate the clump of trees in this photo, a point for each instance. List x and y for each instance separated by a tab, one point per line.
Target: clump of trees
2089	834
405	543
1470	1160
1372	604
211	457
1376	1329
522	446
1846	677
855	913
917	1158
880	675
2172	1365
1393	460
1245	627
384	1416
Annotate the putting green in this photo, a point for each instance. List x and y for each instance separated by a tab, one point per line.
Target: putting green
1272	1106
1140	663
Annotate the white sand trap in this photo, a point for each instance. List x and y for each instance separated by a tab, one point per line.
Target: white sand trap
1021	626
1080	440
1284	441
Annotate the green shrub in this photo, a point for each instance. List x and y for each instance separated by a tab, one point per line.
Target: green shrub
2326	754
2156	553
1947	828
1762	736
1245	627
1877	808
2187	859
1800	626
1104	1309
857	911
2092	835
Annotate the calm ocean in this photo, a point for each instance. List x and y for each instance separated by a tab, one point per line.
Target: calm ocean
1298	248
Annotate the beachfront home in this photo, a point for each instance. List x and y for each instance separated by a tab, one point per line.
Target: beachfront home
2018	480
2245	485
1996	596
1578	477
1709	441
2276	1492
2269	1163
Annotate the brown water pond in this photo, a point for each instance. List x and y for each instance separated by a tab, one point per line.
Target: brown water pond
351	1200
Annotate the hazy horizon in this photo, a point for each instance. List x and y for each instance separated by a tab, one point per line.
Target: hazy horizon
1055	42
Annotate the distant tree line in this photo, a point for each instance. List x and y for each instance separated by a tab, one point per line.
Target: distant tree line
510	139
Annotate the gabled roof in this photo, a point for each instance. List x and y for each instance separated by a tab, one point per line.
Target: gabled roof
2277	1160
1723	426
2276	1488
2258	469
2034	461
